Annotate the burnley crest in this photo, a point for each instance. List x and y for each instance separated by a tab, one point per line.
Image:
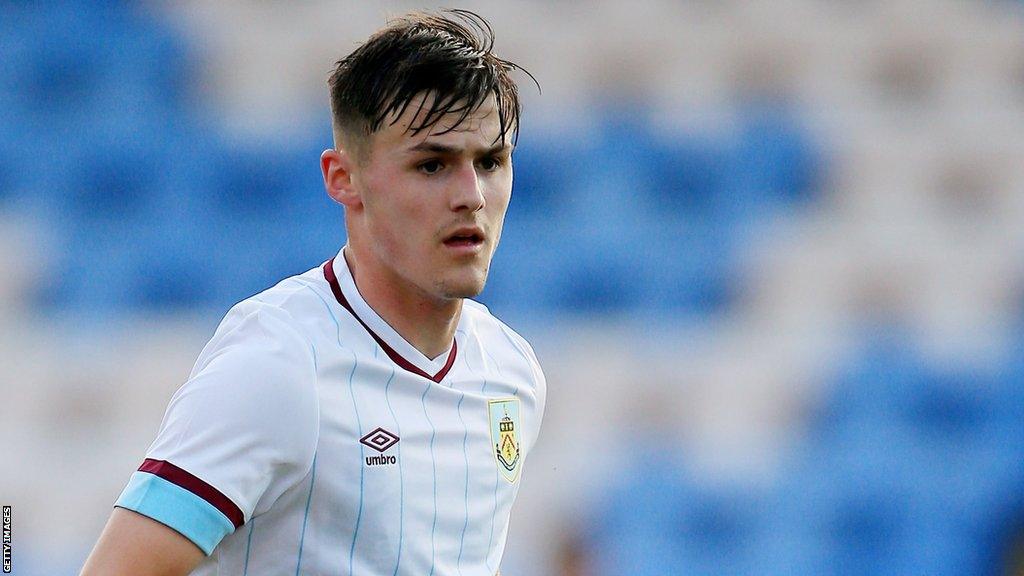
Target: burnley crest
504	418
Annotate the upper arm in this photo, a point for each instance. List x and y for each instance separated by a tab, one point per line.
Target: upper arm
540	386
135	545
236	436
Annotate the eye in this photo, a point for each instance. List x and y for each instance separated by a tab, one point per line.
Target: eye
430	167
490	163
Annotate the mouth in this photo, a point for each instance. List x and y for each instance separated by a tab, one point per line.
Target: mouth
465	239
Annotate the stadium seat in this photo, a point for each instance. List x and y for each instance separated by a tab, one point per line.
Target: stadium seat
774	163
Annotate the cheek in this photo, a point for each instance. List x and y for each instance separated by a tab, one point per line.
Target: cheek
499	198
496	207
396	220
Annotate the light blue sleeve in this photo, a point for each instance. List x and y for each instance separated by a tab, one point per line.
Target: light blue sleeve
177	508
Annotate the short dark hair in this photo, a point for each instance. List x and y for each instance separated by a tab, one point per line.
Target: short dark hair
446	55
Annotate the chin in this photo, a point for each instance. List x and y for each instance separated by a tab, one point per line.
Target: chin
464	291
462	287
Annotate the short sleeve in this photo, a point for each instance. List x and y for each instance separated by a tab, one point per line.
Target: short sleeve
540	389
240	432
540	385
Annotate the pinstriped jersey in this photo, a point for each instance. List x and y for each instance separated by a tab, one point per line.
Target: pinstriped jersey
311	438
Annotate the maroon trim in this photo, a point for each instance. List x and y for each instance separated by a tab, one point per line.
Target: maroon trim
397	358
185	480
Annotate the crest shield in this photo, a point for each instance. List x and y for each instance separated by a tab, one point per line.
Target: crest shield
505	435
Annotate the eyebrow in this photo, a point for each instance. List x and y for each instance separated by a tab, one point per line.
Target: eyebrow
453	150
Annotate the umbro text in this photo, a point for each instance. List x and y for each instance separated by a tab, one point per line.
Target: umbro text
381	460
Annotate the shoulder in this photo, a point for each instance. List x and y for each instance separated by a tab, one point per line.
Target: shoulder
499	339
253	327
258	344
299	297
286	312
515	358
495	331
254	384
261	358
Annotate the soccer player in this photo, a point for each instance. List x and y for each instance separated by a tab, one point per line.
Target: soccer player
365	417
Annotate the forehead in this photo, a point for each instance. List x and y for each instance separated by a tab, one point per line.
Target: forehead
481	127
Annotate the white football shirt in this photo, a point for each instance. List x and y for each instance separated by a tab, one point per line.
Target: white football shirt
311	438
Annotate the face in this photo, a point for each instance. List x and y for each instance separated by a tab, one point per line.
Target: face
432	205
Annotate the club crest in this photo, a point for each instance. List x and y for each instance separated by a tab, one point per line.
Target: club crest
505	430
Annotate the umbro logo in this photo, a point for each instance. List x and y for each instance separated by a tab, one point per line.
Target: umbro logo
380	440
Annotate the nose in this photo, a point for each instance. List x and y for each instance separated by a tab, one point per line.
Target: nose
467	193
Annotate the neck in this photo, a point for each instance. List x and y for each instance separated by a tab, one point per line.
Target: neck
427	323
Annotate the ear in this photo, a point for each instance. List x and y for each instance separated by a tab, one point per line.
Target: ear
336	167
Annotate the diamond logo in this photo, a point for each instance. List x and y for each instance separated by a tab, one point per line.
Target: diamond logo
380	440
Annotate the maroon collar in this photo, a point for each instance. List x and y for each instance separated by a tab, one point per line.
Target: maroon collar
397	358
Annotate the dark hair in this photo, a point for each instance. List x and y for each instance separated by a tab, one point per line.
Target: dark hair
447	56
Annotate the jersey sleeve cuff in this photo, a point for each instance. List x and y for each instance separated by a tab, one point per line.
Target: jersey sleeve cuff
177	508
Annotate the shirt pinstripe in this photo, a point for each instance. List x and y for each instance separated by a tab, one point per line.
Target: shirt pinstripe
434	502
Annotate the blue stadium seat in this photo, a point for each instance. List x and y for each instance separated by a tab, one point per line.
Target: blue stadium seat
524	278
684	267
170	283
543	168
851	499
634	528
93	277
258	184
870	390
659	518
774	161
112	185
932	439
688	178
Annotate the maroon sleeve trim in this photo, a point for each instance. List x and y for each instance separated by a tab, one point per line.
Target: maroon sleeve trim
397	358
184	479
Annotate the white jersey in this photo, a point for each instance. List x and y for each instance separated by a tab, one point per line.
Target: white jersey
311	438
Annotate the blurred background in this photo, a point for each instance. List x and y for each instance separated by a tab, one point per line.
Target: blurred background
768	251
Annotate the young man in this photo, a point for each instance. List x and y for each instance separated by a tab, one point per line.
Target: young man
364	417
